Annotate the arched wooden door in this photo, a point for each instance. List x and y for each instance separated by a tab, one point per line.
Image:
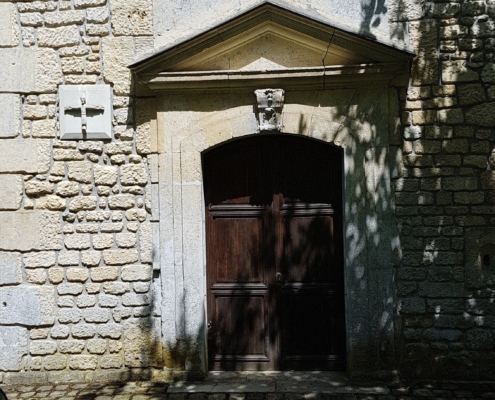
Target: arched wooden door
274	254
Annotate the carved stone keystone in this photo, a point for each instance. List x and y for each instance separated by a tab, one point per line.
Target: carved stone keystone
270	103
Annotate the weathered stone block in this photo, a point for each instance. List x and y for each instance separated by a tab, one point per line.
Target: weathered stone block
133	299
102	241
13	346
83	362
71	346
102	274
68	258
83	331
105	175
70	288
36	276
97	346
456	71
97	315
118	148
145	112
42	259
107	300
36	188
405	10
132	19
16	70
80	171
121	202
136	273
444	10
136	214
45	128
133	174
141	344
54	363
78	241
119	257
69	316
452	116
47	71
91	258
443	289
146	242
59	332
118	52
480	339
68	17
481	114
488	180
111	331
43	347
10	114
77	274
97	15
116	287
10	268
111	362
67	155
52	203
30	156
85	300
82	203
58	37
27	305
483	29
9	29
471	94
125	239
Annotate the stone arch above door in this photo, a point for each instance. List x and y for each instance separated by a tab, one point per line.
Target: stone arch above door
353	106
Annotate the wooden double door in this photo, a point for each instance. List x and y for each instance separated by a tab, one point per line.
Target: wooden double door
274	254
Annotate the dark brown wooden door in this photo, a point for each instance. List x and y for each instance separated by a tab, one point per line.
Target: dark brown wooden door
274	254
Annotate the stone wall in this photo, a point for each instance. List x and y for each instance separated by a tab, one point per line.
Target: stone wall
76	275
79	297
445	197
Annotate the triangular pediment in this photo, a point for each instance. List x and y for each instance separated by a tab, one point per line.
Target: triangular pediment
269	46
268	39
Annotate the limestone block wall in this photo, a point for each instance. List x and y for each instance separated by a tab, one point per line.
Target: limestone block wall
77	298
445	198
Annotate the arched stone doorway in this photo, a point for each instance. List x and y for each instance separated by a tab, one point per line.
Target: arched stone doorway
274	254
203	99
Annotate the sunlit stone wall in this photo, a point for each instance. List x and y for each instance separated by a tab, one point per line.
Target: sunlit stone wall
80	288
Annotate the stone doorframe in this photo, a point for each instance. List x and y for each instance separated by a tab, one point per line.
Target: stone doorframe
354	106
359	120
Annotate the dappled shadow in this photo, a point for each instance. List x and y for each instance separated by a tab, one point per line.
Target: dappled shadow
372	14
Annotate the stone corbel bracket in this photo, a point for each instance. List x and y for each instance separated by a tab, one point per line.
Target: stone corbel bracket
269	108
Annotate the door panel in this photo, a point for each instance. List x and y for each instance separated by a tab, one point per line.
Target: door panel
274	254
311	335
239	253
241	326
308	248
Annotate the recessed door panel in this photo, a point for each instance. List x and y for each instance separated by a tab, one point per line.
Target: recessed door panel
241	327
238	255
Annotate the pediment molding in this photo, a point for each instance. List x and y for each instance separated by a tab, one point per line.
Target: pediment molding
274	45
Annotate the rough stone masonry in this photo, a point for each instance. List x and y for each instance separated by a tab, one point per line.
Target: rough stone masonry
79	297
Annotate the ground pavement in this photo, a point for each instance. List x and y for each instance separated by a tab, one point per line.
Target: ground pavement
256	386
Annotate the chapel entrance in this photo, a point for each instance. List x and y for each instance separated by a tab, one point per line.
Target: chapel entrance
274	254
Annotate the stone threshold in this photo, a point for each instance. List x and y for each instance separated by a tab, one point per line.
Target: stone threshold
277	382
